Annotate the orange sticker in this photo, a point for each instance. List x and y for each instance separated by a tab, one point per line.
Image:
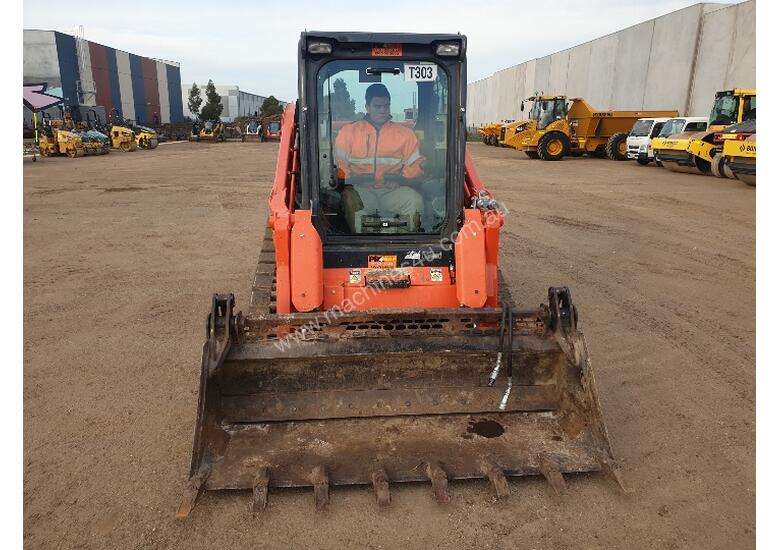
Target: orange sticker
387	50
376	261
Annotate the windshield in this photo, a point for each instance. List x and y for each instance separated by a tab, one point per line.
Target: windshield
749	108
274	127
546	111
382	132
672	126
724	110
641	128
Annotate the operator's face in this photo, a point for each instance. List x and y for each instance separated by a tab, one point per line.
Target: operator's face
378	109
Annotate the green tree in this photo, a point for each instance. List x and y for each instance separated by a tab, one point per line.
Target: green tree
271	107
342	105
213	107
194	101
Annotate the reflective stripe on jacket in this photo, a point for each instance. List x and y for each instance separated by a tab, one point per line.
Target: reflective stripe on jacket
362	149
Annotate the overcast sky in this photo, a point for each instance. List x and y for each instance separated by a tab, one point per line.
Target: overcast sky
253	43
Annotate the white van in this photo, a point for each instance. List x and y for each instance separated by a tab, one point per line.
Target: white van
638	142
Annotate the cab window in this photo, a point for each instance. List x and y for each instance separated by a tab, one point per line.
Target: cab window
382	139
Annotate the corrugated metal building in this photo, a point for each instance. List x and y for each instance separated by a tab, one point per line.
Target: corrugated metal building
86	73
235	103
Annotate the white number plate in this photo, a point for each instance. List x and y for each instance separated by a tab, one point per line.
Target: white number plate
420	73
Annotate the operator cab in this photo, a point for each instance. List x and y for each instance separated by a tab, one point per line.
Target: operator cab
348	180
728	107
547	109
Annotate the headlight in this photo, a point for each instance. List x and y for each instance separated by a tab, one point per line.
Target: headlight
320	47
448	49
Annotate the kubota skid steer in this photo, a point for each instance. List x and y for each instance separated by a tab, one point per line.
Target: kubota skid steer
388	351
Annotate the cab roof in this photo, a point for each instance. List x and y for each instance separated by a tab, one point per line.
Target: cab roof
383	37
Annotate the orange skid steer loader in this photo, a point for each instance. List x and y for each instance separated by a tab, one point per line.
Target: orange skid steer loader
381	344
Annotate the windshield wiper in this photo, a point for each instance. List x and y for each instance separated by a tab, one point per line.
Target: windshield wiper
379	70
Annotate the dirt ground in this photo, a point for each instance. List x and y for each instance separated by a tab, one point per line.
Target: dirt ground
123	252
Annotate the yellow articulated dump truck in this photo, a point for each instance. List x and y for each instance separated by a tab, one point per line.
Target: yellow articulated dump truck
560	126
695	153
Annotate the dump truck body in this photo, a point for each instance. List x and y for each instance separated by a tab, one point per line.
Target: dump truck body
392	351
556	129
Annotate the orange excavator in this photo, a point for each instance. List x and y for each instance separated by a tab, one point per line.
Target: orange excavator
391	350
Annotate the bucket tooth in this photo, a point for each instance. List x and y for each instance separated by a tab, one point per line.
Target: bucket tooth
438	479
319	478
497	478
260	491
549	469
191	493
610	471
381	486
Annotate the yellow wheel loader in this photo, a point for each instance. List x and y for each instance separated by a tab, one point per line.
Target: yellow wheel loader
507	130
559	126
381	345
694	152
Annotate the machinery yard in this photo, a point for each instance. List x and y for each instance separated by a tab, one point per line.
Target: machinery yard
123	252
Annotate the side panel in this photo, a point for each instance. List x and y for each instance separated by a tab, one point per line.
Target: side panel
306	263
113	76
470	260
100	74
125	84
174	93
162	92
151	94
137	81
87	77
69	67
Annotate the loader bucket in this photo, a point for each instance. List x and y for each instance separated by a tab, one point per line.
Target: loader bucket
382	397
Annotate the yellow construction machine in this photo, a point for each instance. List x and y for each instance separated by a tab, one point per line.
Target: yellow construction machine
695	152
560	126
378	346
507	130
738	156
145	137
213	130
490	133
56	141
120	136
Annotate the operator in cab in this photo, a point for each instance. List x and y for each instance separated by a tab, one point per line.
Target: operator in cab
379	159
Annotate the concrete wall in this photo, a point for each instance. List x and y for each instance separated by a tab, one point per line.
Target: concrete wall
676	61
727	54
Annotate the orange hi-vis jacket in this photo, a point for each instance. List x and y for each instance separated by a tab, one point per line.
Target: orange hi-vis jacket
363	149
